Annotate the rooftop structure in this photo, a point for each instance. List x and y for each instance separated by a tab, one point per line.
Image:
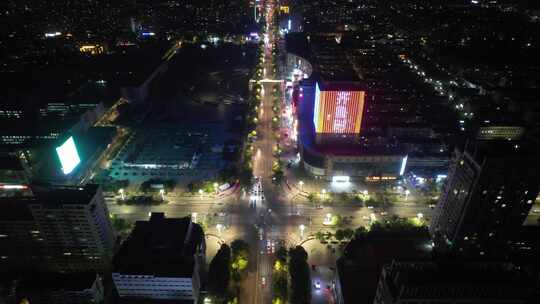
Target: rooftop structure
162	257
471	282
60	228
52	288
358	270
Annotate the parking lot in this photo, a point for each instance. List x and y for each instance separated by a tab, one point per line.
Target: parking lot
173	151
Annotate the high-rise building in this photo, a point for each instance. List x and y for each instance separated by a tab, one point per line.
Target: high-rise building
469	282
489	192
58	288
59	228
161	260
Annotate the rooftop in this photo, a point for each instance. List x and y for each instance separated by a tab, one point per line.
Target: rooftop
328	58
467	280
8	162
364	259
47	195
60	281
62	195
161	247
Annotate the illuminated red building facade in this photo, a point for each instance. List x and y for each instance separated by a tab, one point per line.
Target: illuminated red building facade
337	113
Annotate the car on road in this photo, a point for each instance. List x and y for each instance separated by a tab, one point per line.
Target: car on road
431	206
268	246
536	211
370	207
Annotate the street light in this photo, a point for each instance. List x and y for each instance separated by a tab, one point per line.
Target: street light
302	227
328	219
301	183
162	192
121	191
219	227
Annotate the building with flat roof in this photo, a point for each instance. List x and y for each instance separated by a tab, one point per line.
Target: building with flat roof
463	282
161	260
330	154
489	192
357	115
357	272
57	288
59	228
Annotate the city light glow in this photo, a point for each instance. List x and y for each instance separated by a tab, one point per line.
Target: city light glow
338	112
68	155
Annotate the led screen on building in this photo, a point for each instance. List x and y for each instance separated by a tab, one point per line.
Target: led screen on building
68	155
338	112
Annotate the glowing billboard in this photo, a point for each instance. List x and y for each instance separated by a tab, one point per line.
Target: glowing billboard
68	155
338	112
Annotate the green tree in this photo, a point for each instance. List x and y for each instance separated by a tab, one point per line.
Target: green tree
240	257
120	225
279	286
319	235
240	248
348	233
339	235
300	276
282	254
219	273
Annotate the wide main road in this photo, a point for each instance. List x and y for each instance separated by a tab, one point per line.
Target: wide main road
263	161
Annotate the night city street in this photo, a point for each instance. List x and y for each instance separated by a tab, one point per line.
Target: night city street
270	151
